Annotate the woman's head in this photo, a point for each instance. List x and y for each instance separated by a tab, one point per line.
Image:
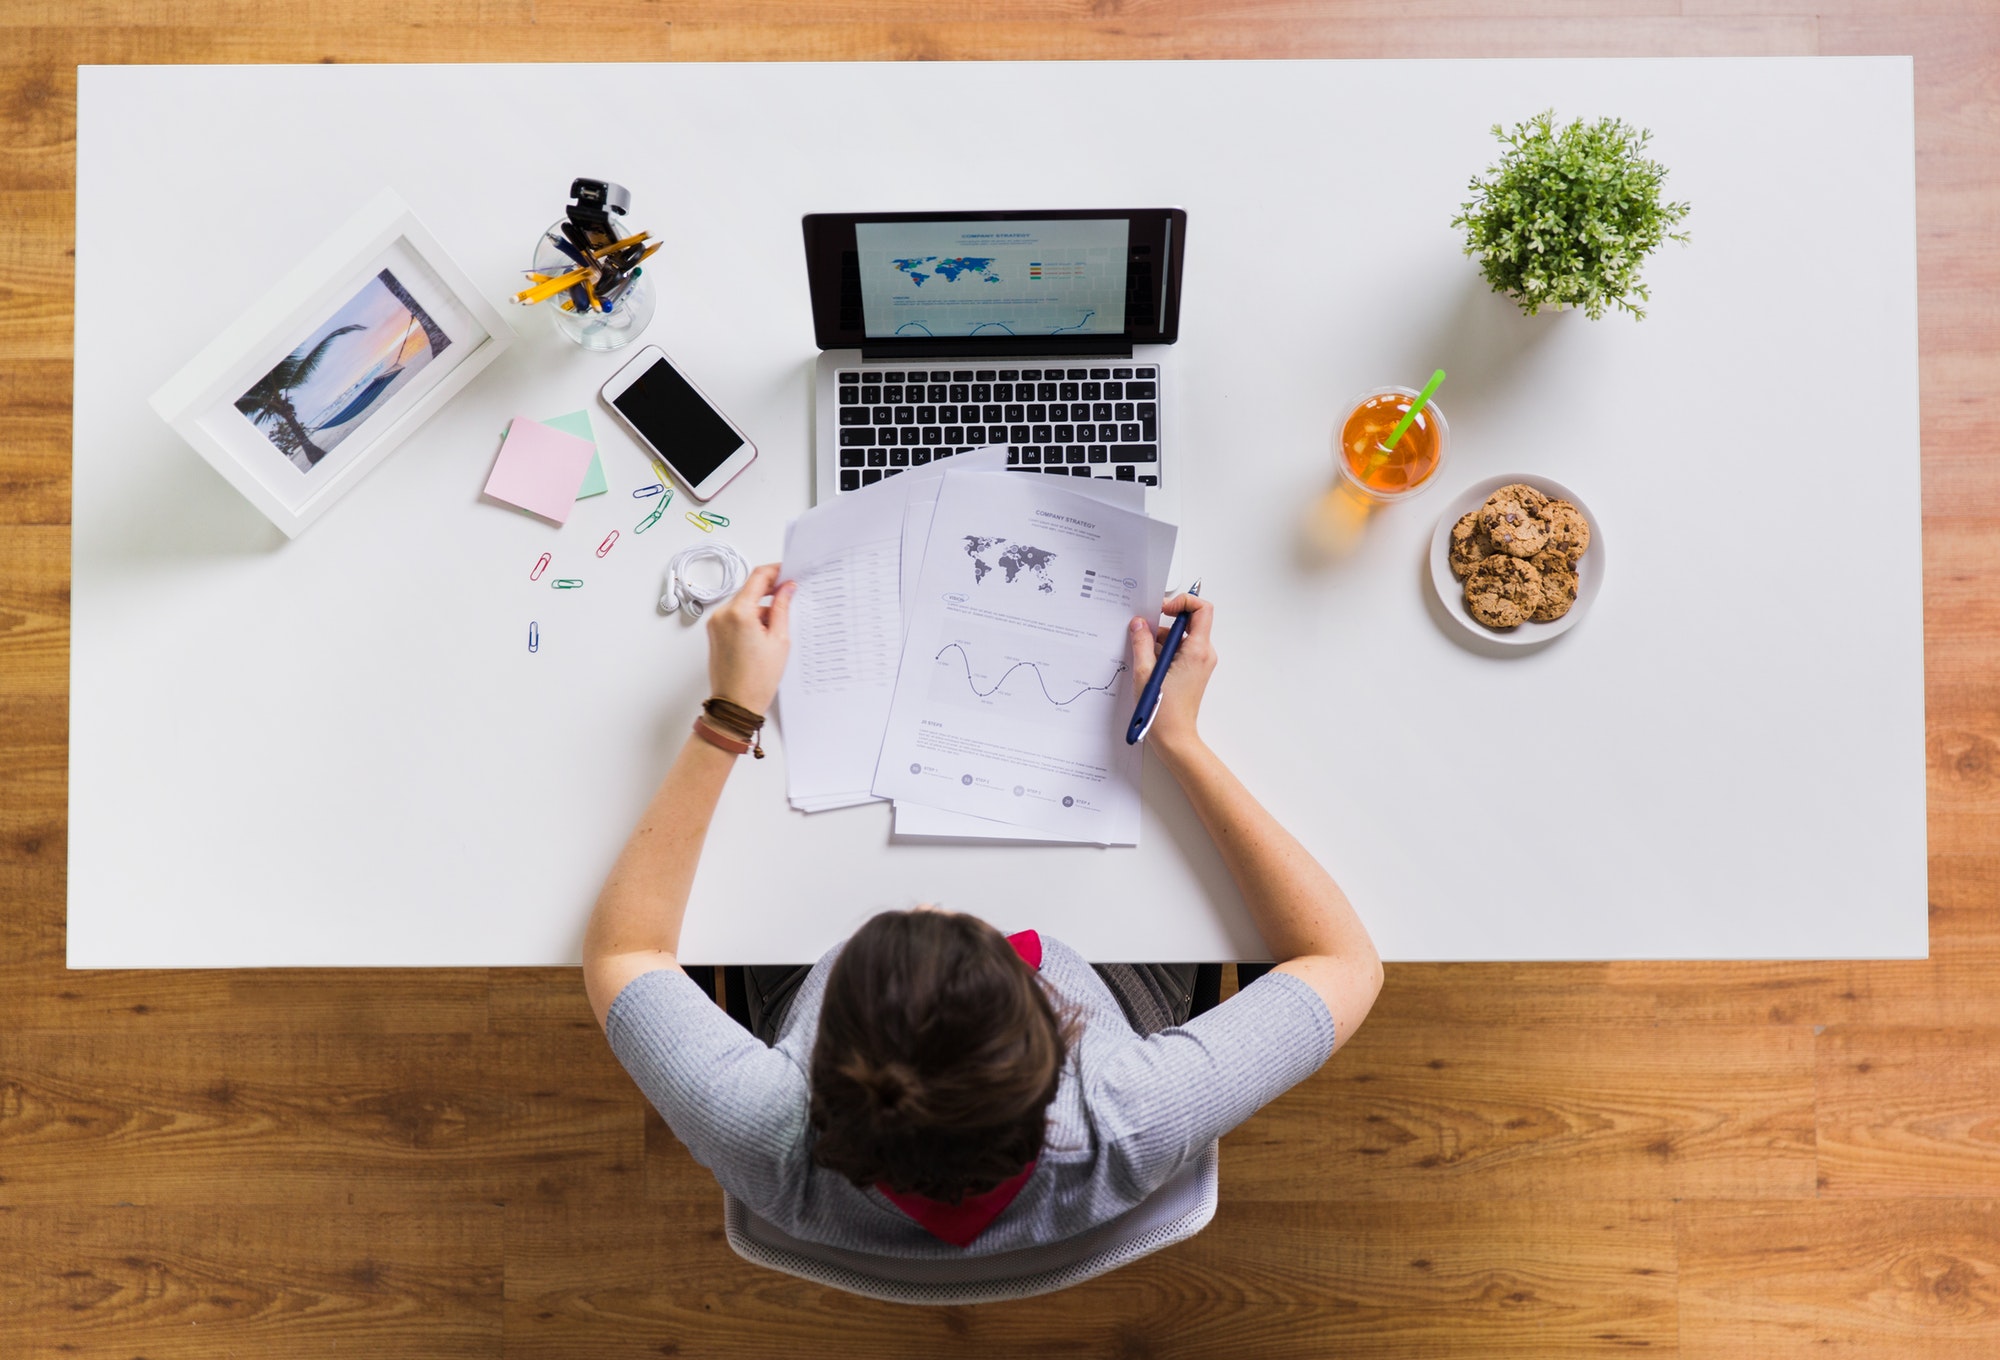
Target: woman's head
937	1057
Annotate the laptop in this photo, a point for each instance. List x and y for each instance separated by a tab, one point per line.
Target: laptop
1045	332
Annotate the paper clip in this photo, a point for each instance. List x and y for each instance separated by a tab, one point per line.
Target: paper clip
540	567
567	583
652	519
605	546
698	522
720	521
534	637
645	491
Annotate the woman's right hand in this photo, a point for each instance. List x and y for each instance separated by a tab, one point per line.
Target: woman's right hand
748	640
1173	727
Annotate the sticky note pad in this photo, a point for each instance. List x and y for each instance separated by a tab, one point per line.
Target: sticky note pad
540	469
578	424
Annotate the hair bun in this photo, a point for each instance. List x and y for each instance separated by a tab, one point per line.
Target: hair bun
895	1090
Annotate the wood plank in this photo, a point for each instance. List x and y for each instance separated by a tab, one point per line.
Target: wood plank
1916	1280
1358	1280
296	1119
1908	1111
197	1283
34	441
1462	1113
34	611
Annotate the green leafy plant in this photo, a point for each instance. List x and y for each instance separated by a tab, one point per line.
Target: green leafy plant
1567	216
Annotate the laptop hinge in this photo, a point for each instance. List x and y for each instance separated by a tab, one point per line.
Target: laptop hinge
1111	347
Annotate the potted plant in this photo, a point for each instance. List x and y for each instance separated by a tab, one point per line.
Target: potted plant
1568	215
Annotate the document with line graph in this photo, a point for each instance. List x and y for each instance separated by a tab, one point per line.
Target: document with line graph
1014	689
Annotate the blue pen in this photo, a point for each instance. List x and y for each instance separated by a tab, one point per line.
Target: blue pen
1149	697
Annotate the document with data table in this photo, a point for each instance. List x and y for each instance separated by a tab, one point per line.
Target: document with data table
1014	690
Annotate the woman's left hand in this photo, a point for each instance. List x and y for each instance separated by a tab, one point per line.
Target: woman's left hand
749	640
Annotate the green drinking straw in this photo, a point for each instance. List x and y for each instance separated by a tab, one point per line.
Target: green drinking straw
1402	426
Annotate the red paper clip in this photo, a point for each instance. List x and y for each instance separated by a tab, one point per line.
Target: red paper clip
540	567
605	546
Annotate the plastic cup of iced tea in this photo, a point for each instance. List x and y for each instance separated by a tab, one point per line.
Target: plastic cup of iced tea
1391	474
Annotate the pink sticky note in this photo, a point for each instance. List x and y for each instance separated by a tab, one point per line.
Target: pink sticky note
540	469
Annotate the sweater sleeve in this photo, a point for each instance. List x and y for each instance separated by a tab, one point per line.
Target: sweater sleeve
740	1107
1159	1100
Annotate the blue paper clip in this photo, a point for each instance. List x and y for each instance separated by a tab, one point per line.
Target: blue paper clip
567	583
698	522
645	491
534	637
719	521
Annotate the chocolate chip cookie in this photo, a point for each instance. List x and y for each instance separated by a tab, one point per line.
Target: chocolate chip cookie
1568	530
1558	585
1503	591
1469	545
1512	528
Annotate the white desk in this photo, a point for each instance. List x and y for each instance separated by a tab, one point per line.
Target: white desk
338	750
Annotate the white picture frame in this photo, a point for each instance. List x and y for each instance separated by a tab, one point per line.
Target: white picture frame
338	363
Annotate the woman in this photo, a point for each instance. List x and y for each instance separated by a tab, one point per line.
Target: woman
932	1087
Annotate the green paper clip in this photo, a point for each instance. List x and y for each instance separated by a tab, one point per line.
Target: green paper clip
719	521
698	522
652	519
567	583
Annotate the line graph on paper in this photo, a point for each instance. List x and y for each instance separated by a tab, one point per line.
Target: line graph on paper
967	672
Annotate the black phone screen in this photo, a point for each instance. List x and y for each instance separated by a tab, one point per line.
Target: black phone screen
679	422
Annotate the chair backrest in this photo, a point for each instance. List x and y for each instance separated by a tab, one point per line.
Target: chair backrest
1175	1212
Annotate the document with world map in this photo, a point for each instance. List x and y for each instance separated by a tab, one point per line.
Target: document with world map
1013	690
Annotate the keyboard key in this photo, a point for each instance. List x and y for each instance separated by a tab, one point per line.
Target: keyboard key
1079	472
1045	391
1114	391
871	396
1098	454
895	472
1101	410
871	476
854	415
856	439
941	375
1013	458
927	415
1037	411
1086	433
1141	390
1031	457
1128	433
892	377
1043	434
850	377
1066	391
1065	434
1026	375
1100	372
1141	453
959	392
1075	453
899	457
878	458
884	416
1014	413
910	436
1144	373
918	457
975	434
1077	373
984	375
1003	391
849	395
1092	391
1127	473
961	375
1149	430
1125	411
948	415
892	395
954	435
981	392
992	414
931	395
906	415
1017	434
852	458
1147	410
1007	374
1121	372
932	434
1147	479
850	480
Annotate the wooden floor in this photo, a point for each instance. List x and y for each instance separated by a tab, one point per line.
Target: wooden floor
1509	1161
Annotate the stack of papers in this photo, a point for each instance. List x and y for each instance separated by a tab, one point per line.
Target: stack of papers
959	646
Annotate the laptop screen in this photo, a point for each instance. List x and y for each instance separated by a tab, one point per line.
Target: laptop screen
1052	282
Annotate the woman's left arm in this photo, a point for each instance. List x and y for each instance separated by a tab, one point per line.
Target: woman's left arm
636	926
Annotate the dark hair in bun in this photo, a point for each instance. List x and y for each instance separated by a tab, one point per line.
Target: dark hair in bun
937	1057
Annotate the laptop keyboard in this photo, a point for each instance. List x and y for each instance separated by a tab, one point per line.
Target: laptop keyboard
1064	422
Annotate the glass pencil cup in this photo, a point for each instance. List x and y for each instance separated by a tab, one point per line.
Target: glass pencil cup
628	318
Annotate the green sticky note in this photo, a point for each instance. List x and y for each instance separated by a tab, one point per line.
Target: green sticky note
578	424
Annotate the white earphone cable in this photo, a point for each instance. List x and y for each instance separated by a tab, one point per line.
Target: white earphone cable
691	598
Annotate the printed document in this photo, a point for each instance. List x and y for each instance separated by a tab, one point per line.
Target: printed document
1013	693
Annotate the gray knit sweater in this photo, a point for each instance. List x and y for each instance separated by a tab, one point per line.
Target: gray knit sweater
1128	1112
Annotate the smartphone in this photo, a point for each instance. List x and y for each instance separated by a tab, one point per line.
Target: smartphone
681	426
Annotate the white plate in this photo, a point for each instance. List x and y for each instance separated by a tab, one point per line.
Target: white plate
1589	568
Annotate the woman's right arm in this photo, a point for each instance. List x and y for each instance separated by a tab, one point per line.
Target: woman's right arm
1299	910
